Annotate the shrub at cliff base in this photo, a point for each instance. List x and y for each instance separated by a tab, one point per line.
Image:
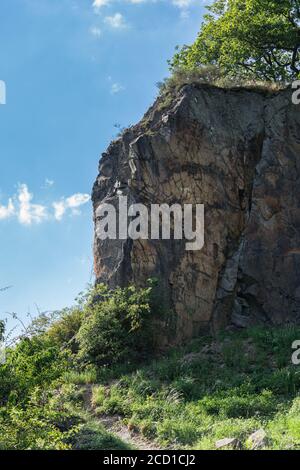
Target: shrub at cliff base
117	326
39	407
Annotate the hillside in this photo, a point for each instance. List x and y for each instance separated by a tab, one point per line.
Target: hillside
239	390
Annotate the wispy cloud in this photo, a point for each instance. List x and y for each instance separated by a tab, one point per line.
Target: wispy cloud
95	31
97	4
22	208
184	6
71	203
116	21
7	211
48	183
182	3
116	88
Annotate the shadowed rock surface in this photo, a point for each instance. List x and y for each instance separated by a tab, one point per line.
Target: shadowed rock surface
238	152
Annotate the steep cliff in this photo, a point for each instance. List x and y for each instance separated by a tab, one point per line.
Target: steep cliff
238	152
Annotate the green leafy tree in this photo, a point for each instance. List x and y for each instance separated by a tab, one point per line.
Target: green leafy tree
257	39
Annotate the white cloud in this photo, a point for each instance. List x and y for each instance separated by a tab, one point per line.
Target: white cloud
182	3
7	211
29	213
100	3
77	200
73	203
59	210
183	6
116	88
116	21
21	207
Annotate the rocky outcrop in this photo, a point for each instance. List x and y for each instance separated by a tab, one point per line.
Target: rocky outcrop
238	152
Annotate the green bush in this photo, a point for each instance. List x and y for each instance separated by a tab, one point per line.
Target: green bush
31	363
30	429
63	331
117	326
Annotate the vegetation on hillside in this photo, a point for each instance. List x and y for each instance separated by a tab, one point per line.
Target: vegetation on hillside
39	408
57	389
228	387
247	39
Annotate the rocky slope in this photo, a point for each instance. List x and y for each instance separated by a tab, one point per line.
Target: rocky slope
238	152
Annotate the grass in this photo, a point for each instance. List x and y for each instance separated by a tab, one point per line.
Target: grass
86	430
93	436
88	376
212	75
211	390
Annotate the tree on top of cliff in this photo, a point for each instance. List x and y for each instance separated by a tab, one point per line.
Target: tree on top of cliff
257	39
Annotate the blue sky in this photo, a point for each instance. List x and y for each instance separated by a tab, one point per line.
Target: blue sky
73	69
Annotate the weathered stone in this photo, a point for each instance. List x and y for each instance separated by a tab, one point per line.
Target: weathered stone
228	442
237	152
258	439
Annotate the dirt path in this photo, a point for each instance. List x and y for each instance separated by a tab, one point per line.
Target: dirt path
114	425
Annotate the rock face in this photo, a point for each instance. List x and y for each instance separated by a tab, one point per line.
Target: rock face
238	152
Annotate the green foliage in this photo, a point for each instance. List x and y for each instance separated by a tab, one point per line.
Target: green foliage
30	429
41	396
84	377
233	405
32	363
117	326
92	436
63	332
257	39
212	390
54	388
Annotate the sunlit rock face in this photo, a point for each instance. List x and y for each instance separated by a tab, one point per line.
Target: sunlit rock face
238	153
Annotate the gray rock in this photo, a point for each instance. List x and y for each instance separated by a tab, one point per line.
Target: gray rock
258	439
228	442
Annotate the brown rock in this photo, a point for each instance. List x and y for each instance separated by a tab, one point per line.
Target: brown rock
237	152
